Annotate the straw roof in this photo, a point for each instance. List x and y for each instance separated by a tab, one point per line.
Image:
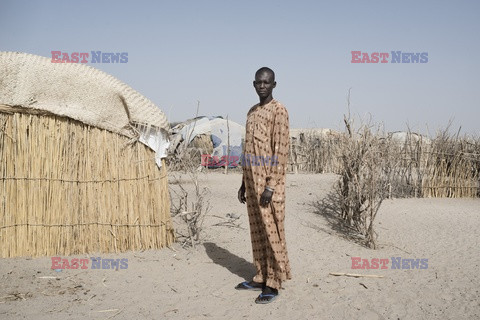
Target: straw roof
76	91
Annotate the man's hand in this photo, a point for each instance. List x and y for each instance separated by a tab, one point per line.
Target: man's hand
266	198
241	194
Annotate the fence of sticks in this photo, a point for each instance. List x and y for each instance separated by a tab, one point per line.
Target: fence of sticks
69	188
445	166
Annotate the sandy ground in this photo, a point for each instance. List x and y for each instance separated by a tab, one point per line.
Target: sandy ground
198	283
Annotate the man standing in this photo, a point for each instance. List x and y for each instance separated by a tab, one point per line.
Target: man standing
263	188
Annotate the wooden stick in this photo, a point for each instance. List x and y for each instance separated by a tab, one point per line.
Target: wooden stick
228	148
355	275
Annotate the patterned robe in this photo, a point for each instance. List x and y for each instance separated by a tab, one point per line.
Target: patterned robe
266	151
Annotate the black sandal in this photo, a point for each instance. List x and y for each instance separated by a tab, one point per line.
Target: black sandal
252	285
265	298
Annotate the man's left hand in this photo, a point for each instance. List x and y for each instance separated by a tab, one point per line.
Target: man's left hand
266	198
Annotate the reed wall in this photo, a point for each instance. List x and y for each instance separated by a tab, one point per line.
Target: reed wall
68	188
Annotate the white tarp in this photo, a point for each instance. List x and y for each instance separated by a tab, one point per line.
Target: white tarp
221	134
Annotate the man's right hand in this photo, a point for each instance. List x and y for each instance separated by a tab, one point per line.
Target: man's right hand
241	194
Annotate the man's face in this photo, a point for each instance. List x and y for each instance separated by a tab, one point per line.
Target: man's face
264	84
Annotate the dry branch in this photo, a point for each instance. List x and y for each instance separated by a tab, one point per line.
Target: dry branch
355	275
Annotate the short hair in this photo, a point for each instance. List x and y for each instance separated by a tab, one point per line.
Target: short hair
265	70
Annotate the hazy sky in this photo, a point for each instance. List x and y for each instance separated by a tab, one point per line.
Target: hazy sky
183	51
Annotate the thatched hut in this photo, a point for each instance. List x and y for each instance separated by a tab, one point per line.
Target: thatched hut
81	158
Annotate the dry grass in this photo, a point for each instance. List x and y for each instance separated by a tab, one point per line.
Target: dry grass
374	166
68	188
445	166
451	167
192	208
365	176
316	152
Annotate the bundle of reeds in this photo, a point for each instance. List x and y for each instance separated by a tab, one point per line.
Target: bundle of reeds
315	151
366	172
69	188
446	166
452	167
